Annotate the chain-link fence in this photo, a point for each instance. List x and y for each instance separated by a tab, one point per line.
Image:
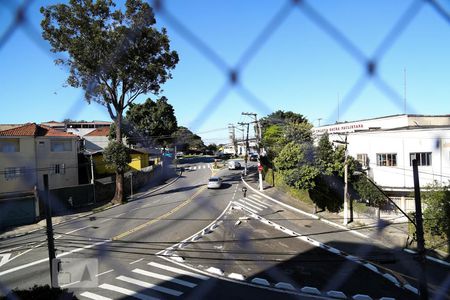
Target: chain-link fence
112	244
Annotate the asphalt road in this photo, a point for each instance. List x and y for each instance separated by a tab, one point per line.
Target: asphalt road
185	241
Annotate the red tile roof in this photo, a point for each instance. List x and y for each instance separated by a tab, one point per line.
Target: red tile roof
101	131
32	129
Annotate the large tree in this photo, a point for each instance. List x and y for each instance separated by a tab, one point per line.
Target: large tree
150	124
186	140
282	117
114	55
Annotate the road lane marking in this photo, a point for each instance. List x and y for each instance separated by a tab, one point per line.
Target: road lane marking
94	296
127	292
165	278
149	285
4	258
69	232
244	201
167	214
257	196
69	284
247	208
106	272
46	259
105	220
178	271
256	203
136	261
257	200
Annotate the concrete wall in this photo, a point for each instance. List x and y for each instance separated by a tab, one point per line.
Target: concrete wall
46	159
24	159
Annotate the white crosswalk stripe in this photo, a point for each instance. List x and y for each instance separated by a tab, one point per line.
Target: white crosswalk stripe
194	168
246	207
256	202
165	277
94	296
154	282
126	292
250	204
149	285
257	196
178	271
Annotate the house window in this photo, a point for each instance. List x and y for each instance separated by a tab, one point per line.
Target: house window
60	145
387	159
12	173
363	160
9	145
423	158
59	169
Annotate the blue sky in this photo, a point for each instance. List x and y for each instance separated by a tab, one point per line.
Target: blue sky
299	67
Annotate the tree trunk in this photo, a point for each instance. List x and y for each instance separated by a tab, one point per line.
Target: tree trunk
118	196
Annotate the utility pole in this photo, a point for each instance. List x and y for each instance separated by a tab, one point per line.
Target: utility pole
232	136
423	286
246	147
258	143
92	176
50	240
346	196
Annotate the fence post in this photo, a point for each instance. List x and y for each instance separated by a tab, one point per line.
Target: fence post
423	286
50	240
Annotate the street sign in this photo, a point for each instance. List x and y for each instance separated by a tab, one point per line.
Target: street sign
260	168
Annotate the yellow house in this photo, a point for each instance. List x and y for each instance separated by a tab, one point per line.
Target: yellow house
139	160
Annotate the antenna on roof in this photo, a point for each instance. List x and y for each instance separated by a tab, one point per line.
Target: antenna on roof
404	91
338	108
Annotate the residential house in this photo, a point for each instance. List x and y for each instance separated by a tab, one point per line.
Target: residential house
96	139
30	151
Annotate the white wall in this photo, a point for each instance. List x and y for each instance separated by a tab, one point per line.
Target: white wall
95	143
404	142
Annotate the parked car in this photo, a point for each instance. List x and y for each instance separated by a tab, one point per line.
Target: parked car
214	183
253	157
234	165
179	154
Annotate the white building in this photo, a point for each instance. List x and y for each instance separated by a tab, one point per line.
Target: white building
386	146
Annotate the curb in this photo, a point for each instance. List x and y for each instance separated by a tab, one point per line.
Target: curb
437	260
305	213
88	213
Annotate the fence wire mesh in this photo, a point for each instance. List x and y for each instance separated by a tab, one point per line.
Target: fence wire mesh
110	245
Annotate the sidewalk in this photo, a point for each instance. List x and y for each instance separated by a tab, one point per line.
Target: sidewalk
389	234
89	210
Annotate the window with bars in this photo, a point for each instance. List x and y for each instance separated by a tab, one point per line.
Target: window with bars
423	158
59	169
13	173
387	159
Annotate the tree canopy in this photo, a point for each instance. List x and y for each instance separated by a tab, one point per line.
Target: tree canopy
282	117
186	140
113	55
150	124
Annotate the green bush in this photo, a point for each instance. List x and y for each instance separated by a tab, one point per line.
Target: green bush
41	292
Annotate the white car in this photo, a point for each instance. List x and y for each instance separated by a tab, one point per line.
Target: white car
234	165
214	183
